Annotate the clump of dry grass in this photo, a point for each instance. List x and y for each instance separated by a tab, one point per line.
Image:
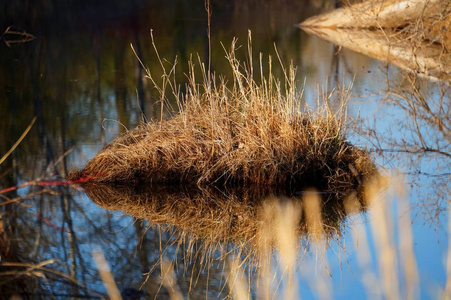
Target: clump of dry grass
251	133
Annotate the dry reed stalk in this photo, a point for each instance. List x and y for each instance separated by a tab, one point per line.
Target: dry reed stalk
248	134
408	258
264	245
236	280
398	274
24	134
321	283
286	228
382	229
168	280
279	230
361	245
14	36
106	275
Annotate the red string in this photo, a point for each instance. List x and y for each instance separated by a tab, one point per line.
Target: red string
49	183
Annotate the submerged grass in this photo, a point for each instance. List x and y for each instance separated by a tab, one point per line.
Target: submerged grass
237	134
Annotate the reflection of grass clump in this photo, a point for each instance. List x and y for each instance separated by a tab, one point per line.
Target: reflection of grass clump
211	228
217	215
250	223
249	134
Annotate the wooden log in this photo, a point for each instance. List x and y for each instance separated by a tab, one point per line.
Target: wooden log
413	35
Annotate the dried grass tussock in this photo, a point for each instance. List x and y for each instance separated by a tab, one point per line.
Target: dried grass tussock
250	133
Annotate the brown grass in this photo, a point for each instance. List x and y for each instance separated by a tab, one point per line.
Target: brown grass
251	133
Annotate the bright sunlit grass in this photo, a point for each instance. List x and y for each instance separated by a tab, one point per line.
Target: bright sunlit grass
237	133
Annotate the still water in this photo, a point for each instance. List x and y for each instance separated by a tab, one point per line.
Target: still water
81	79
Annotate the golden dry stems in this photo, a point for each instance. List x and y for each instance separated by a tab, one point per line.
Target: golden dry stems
24	134
279	226
278	229
382	229
106	275
361	245
397	266
168	280
285	223
236	280
407	259
264	245
321	283
250	133
14	36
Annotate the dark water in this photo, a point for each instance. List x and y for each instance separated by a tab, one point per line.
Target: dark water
82	81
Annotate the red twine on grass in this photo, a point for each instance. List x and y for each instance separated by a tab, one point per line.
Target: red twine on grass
49	183
46	183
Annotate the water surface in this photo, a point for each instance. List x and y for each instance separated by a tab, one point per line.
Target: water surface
82	81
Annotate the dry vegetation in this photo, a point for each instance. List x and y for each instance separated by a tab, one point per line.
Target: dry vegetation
421	143
388	271
250	133
415	36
